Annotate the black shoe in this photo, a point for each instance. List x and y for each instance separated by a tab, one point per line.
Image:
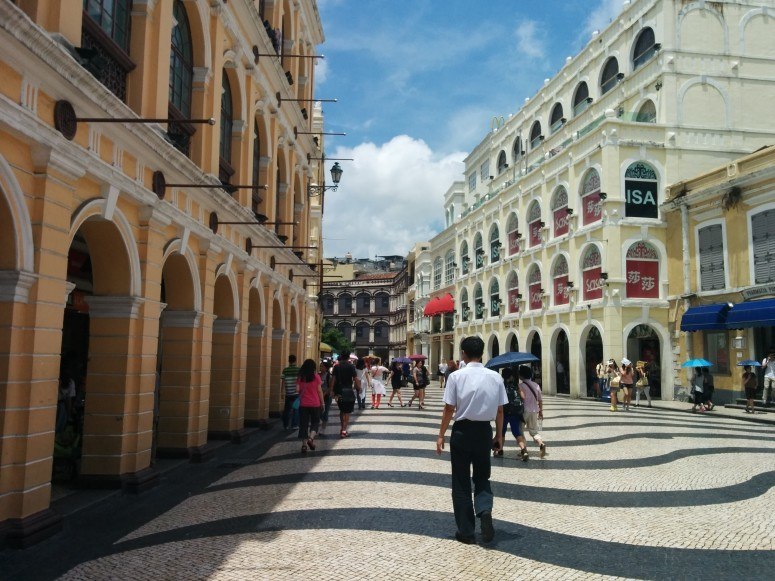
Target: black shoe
465	540
488	532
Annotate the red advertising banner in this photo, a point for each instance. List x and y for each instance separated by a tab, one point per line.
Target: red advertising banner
536	302
642	279
561	226
593	284
514	300
535	233
561	290
513	243
592	208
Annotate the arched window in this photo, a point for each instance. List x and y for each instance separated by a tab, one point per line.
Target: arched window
495	244
345	304
465	310
581	99
763	236
591	201
437	266
479	250
516	150
512	230
449	267
534	289
513	289
111	18
610	75
534	224
327	302
560	282
346	329
535	135
556	120
560	212
645	47
362	331
478	302
181	78
495	298
502	163
642	265
641	191
254	196
647	113
382	303
381	333
465	260
363	304
227	124
592	274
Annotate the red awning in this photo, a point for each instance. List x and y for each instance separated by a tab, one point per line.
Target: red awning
445	304
431	308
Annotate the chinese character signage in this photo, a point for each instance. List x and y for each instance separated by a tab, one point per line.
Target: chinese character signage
513	243
561	290
536	301
535	233
592	208
642	279
561	221
593	284
513	300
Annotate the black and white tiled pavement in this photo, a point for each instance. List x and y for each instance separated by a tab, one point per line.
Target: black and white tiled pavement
650	494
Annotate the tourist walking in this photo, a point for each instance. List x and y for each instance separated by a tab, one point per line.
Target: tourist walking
396	379
512	415
627	381
420	376
474	396
377	384
288	378
325	378
749	386
311	404
698	390
769	377
709	387
612	381
533	414
641	383
442	372
345	382
362	372
451	368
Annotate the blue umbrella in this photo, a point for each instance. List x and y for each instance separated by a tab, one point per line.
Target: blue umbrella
696	363
510	358
747	362
402	360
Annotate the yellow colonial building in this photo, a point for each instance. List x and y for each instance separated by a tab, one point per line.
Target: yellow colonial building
721	268
157	165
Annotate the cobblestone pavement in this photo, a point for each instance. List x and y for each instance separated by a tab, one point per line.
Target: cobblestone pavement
650	494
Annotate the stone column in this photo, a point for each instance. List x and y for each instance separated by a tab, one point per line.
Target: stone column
256	411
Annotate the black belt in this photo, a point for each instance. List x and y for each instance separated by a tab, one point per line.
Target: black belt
473	422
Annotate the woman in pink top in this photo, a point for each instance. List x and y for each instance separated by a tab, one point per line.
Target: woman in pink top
311	404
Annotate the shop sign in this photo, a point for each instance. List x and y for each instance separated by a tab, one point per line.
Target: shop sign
640	191
513	243
561	221
758	292
592	208
536	301
514	300
593	284
535	233
642	279
561	290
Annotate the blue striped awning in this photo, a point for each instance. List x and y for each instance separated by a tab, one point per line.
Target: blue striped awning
705	318
752	314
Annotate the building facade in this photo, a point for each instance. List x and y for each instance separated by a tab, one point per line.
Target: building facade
146	259
560	241
721	269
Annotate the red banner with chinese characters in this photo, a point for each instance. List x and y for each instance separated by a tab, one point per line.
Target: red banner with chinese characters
642	279
561	226
513	300
561	290
513	243
535	233
536	301
592	208
593	284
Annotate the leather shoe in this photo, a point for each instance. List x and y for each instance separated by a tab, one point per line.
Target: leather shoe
465	540
488	532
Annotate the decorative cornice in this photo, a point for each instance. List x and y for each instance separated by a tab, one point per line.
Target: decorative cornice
110	307
15	285
225	326
181	319
278	333
294	337
256	330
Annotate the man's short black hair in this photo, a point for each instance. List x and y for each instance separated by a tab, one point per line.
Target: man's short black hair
344	355
525	372
473	347
291	359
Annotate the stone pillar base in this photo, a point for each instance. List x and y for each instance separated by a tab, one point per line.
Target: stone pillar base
200	454
240	436
137	482
260	424
173	452
20	533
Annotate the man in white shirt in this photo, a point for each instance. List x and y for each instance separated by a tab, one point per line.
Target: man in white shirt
769	378
475	396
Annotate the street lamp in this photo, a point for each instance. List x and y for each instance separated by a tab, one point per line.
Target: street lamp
336	175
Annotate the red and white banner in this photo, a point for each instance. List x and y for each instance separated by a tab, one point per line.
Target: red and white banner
592	208
513	243
561	222
535	233
513	300
536	301
642	279
593	284
561	290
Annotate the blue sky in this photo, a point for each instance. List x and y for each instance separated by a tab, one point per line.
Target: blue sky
418	82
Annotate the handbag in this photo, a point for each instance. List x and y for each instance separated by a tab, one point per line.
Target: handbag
642	382
614	382
296	403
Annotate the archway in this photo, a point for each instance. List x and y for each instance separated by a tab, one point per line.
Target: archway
535	349
643	344
513	342
593	354
176	394
562	362
494	348
224	385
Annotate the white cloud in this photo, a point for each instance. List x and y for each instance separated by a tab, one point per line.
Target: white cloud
601	16
390	197
321	72
531	41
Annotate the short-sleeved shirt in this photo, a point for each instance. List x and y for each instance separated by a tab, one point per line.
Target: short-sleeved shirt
476	392
290	375
532	396
344	373
308	390
769	368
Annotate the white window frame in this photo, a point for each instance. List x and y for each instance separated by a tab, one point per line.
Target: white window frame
697	274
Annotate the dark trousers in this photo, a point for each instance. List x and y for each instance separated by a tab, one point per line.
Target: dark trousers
288	412
767	391
470	446
309	420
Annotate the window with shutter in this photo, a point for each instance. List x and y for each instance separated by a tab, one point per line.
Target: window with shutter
763	233
711	258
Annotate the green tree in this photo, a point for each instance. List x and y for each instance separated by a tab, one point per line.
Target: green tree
334	337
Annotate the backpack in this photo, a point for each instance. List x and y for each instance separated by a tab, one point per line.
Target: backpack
516	406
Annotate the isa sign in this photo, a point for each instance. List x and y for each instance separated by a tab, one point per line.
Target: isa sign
640	199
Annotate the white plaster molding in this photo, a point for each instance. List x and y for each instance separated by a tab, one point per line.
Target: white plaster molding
256	330
110	307
46	158
181	319
15	285
225	326
278	333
